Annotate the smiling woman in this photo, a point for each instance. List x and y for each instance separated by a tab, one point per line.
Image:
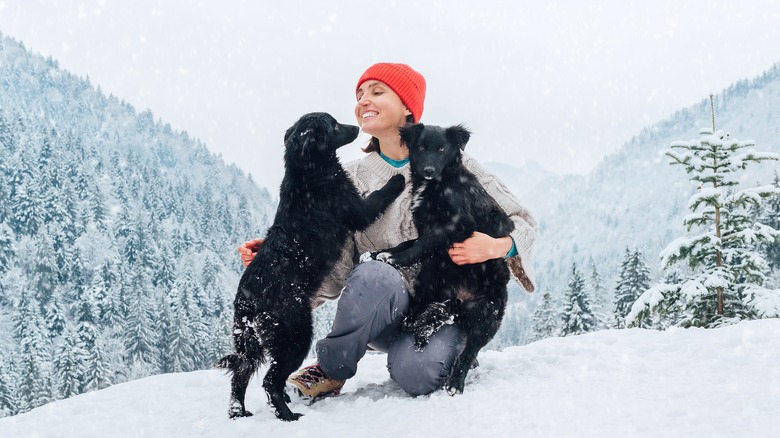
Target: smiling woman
374	295
383	106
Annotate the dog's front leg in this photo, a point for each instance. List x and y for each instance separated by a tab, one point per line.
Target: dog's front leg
363	211
386	255
430	321
430	241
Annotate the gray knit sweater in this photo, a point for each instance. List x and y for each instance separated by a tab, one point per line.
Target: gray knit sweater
396	225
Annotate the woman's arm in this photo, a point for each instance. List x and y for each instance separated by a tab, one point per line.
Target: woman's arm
479	248
523	236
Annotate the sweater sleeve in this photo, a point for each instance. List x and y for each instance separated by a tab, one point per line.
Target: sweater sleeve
525	232
334	282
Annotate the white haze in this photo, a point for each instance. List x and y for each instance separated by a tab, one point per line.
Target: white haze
560	83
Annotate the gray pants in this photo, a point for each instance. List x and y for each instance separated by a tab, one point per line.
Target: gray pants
369	313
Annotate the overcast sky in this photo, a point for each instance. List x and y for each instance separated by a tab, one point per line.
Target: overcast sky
562	83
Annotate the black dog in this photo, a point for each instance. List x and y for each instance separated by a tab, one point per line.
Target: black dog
449	205
318	207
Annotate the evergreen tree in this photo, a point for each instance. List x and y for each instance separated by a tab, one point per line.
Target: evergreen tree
69	364
600	303
176	337
34	356
97	368
577	313
727	271
546	318
45	276
771	218
633	281
55	318
139	335
7	389
6	248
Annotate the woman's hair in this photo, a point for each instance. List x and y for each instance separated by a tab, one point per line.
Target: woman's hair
373	144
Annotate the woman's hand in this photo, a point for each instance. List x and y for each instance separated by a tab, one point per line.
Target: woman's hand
479	248
248	249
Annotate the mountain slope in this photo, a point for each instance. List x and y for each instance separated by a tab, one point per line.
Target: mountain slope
117	238
679	383
634	198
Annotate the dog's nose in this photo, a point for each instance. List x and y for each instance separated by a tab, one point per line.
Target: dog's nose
429	170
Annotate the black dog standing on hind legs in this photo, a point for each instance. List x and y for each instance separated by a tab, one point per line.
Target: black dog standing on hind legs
318	207
449	205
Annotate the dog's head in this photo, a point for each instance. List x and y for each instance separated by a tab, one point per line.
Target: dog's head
317	135
432	148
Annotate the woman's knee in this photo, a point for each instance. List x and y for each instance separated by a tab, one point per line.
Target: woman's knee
422	372
371	283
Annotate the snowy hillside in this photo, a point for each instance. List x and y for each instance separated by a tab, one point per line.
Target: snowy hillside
621	383
117	238
634	197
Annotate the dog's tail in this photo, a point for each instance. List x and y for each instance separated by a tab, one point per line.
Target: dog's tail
240	364
249	352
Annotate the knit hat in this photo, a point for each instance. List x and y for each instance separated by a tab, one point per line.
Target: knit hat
407	84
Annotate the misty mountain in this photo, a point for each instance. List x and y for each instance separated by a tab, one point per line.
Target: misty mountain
634	198
117	238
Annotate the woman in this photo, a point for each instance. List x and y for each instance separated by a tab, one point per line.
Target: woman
375	295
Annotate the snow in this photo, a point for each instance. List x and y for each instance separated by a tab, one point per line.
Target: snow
721	382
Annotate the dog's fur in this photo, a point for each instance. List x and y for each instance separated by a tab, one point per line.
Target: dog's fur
449	205
318	207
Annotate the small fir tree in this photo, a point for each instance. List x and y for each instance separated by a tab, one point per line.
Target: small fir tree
577	313
546	318
726	270
633	281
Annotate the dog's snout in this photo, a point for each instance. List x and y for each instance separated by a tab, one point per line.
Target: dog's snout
429	170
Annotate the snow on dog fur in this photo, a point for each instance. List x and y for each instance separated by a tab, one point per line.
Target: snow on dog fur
318	208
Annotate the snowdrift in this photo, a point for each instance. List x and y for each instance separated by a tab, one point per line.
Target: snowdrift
636	383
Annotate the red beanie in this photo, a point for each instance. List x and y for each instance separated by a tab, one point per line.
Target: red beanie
407	84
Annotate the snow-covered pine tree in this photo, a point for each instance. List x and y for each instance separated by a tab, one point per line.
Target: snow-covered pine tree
633	281
69	364
7	388
139	337
601	304
771	217
546	318
34	368
577	313
726	270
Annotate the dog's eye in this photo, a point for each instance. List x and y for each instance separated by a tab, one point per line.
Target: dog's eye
441	148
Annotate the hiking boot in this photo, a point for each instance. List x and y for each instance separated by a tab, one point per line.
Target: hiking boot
311	384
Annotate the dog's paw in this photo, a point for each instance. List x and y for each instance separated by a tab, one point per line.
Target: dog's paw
384	257
396	184
403	260
422	334
288	416
366	256
238	411
453	391
453	386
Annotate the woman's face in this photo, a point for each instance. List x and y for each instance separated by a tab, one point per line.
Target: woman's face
379	110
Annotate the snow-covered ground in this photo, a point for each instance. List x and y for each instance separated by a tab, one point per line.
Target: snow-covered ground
621	383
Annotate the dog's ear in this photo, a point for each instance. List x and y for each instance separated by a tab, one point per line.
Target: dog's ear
302	136
410	133
458	135
288	133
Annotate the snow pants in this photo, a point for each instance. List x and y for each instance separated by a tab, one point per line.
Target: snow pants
369	313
